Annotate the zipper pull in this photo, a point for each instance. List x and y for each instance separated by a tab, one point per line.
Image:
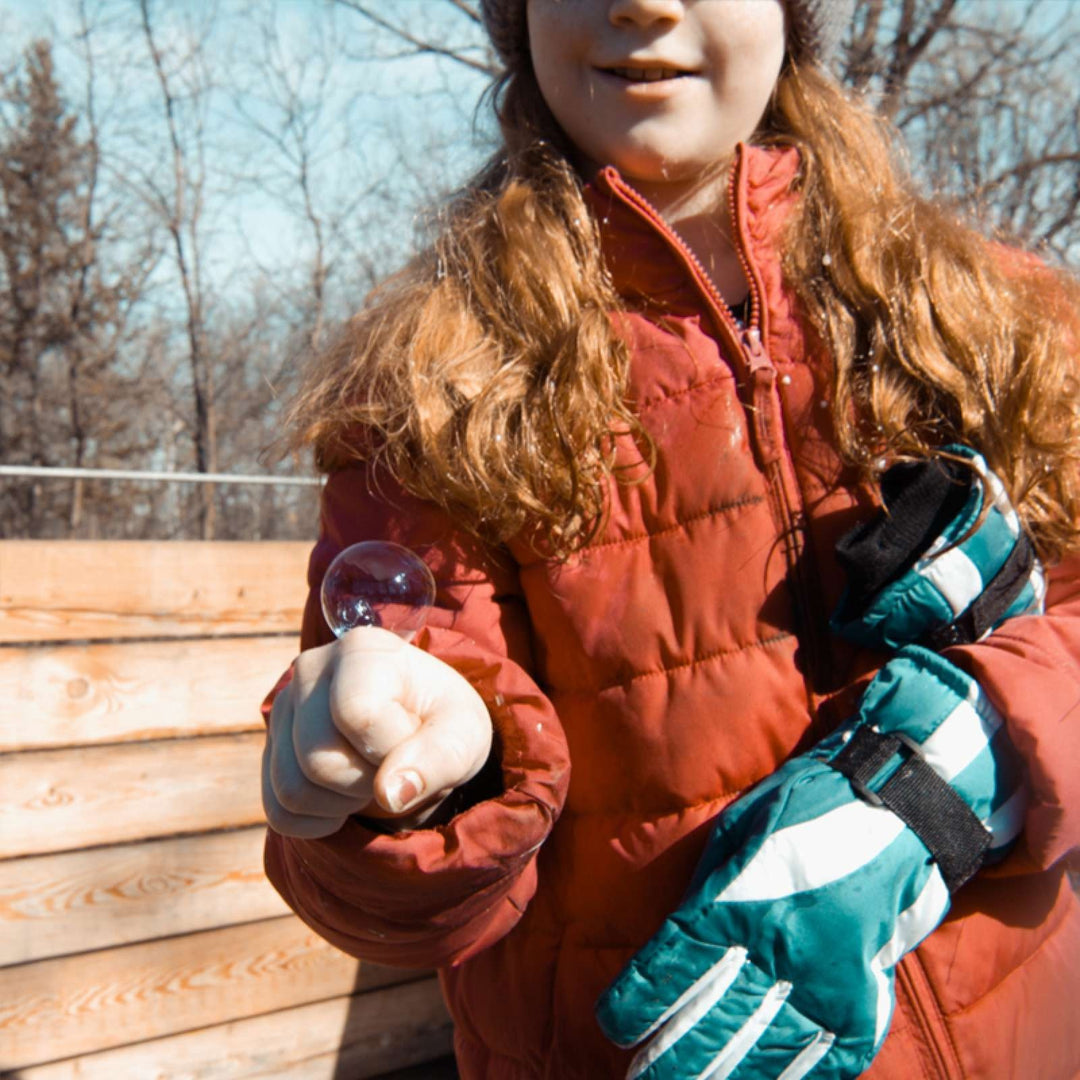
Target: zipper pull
755	350
762	404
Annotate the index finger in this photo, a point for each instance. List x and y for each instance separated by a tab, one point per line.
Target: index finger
670	972
322	753
368	691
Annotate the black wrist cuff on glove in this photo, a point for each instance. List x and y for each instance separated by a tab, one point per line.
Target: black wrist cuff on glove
919	499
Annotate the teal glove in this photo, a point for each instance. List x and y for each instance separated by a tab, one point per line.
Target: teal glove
781	958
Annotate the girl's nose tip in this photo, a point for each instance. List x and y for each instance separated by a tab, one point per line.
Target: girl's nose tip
645	12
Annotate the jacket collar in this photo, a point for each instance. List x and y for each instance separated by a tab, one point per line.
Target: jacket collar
648	262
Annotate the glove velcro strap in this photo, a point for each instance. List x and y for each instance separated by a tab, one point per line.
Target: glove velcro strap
992	603
952	832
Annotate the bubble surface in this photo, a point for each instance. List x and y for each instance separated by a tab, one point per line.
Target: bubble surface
377	583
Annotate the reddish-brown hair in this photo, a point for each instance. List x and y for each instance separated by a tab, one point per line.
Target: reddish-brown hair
487	376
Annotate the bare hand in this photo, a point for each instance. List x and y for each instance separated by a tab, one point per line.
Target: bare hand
370	725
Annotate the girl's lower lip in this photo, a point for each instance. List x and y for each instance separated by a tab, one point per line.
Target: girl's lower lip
658	88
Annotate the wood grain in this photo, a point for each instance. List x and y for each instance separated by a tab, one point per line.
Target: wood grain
360	1036
95	1001
60	589
60	800
53	905
71	695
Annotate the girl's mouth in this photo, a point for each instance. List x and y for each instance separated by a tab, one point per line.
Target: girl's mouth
646	75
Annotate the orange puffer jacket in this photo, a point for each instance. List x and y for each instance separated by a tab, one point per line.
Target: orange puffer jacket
677	661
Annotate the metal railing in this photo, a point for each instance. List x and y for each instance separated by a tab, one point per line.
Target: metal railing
63	473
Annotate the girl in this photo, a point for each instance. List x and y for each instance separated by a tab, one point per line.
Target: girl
653	366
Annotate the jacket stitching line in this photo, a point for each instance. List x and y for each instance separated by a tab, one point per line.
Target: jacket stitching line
680	523
725	376
697	661
655	813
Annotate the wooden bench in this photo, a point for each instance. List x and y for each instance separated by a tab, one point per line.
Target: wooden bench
139	937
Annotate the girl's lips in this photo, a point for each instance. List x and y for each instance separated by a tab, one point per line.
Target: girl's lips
646	75
645	84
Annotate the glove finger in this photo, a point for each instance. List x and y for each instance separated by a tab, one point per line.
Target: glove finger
713	1031
791	1047
671	969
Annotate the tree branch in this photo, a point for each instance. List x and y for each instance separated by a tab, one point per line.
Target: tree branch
419	44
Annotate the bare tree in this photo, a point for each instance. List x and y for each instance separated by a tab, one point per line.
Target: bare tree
287	95
987	98
466	44
180	204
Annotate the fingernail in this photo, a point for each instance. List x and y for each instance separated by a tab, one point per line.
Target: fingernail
402	790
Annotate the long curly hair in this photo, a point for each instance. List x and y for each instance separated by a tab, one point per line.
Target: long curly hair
488	375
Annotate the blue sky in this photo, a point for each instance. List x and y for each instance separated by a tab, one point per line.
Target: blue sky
401	127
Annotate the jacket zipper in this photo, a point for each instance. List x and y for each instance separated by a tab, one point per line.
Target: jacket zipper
766	416
748	347
718	308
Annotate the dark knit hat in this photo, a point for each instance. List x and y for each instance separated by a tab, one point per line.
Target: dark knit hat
814	27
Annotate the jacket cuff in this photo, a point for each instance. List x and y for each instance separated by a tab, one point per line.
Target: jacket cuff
431	896
1043	717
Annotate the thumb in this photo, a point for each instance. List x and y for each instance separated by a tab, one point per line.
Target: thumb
449	749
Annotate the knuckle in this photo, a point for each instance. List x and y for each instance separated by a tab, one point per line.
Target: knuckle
293	792
275	817
309	666
303	669
352	718
365	738
320	770
315	770
373	732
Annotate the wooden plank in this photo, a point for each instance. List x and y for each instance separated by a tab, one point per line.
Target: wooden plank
53	905
95	1001
61	800
71	695
73	589
361	1036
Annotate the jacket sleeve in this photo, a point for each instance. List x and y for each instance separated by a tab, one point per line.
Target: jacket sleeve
433	896
1030	669
1030	666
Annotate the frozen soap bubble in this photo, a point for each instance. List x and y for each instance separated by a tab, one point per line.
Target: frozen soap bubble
377	583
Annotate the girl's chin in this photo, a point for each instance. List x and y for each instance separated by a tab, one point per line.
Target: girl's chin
657	170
